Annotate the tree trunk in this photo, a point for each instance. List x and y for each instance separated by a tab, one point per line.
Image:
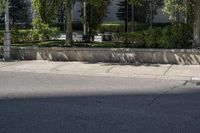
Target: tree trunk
68	13
197	25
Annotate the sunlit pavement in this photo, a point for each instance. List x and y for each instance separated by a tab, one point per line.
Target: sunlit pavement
156	71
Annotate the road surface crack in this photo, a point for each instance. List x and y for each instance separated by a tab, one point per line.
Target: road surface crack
160	95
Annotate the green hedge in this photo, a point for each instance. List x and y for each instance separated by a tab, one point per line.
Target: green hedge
111	28
1	37
39	32
152	37
129	39
115	28
42	31
176	36
21	35
77	26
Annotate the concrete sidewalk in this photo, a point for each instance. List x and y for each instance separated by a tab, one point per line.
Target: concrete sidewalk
177	72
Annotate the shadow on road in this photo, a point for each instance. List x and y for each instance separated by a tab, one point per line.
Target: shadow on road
133	113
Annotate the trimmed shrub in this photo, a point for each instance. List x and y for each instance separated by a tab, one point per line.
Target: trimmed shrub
138	26
1	37
177	36
152	37
115	28
129	39
40	32
43	31
20	35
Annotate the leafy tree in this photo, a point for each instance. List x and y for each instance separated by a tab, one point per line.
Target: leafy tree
68	14
140	12
174	9
96	10
46	10
2	6
65	13
121	11
196	24
189	9
142	9
17	11
2	10
61	13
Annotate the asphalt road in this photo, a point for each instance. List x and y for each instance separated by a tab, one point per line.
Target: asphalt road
53	103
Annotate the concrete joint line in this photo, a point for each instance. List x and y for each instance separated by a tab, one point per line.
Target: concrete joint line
55	68
109	69
167	70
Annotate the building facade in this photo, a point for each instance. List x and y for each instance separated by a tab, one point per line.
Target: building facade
111	15
113	9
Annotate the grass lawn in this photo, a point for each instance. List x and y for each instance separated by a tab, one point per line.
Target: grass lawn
58	43
41	44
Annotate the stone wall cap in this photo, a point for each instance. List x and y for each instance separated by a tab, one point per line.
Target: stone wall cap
105	49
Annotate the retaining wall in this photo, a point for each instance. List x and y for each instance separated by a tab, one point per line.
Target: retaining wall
112	55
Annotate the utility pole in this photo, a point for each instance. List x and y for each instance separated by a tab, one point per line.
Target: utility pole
84	21
132	17
126	16
7	34
186	10
151	12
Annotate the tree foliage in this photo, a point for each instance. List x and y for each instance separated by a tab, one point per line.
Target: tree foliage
96	10
121	14
46	10
186	8
2	6
183	8
18	10
144	8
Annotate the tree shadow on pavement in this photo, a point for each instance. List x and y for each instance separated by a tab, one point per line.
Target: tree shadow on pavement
120	113
125	64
